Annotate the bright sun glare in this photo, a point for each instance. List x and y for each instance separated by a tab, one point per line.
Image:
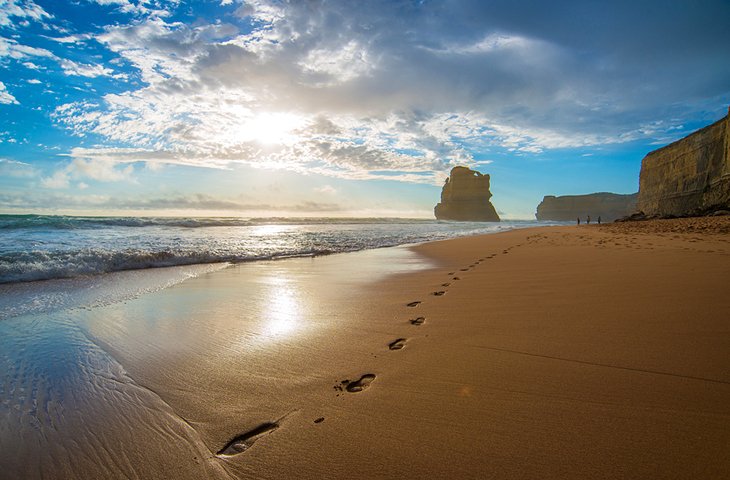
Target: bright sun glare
283	314
272	128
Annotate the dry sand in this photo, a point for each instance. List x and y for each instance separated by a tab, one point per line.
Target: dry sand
557	352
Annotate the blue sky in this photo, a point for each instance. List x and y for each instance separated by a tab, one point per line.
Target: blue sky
251	108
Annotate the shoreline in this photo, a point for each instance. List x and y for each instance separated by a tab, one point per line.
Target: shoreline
553	352
47	295
74	249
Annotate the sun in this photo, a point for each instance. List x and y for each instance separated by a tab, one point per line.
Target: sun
273	128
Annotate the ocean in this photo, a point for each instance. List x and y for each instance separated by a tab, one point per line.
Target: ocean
54	263
38	247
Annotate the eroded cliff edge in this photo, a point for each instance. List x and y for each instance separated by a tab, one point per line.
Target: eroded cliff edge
608	206
465	197
690	176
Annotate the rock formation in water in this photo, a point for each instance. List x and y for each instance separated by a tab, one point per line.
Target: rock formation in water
465	197
608	206
690	176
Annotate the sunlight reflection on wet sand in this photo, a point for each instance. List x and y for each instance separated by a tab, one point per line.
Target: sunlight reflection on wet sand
283	312
217	350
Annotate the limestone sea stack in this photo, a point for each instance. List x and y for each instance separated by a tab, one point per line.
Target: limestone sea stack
465	197
608	206
688	177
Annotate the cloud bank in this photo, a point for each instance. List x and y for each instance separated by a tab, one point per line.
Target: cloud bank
397	90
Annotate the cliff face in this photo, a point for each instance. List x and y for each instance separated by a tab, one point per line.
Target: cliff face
609	206
465	197
690	176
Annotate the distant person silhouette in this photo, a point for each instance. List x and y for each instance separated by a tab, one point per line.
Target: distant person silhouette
599	219
588	220
578	220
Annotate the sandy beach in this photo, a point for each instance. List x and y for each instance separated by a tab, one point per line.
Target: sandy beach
592	351
346	239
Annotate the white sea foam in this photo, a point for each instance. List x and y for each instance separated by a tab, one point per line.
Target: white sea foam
25	298
34	247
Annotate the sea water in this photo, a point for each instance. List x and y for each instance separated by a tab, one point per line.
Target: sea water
51	263
36	247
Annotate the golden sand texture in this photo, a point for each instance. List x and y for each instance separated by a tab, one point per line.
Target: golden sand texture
569	352
573	352
719	225
555	352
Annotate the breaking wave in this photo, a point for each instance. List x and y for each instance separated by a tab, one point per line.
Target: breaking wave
44	265
38	247
62	222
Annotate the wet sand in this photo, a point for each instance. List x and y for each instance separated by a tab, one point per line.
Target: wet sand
556	352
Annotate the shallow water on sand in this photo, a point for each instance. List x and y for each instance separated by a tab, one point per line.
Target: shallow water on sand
69	410
92	291
104	384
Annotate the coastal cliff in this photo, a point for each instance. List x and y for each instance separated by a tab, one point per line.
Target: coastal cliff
465	196
690	176
608	206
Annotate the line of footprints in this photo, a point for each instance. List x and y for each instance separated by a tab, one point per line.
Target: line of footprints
355	386
244	441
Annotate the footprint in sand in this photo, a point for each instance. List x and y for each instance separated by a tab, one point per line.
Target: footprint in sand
464	269
360	385
438	294
413	304
244	441
451	273
397	344
456	278
445	284
418	321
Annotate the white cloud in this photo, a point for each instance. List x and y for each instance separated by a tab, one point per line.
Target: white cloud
193	201
203	93
343	63
159	50
263	11
495	42
84	70
11	48
326	190
121	3
125	6
87	164
105	171
13	168
73	39
59	179
5	96
358	92
34	81
13	10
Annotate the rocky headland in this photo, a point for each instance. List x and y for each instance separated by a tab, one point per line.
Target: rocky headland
688	177
465	197
608	206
